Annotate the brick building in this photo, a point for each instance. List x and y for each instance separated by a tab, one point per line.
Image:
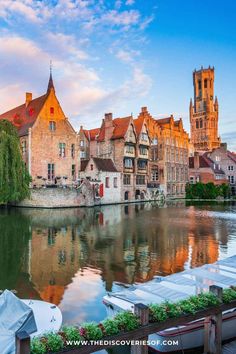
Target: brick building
48	141
104	177
169	151
226	160
203	112
203	169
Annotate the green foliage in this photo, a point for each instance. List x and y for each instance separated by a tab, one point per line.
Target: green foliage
37	346
110	327
71	333
54	342
229	295
14	177
126	321
92	331
207	191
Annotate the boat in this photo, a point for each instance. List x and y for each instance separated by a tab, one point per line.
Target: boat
47	316
177	287
32	316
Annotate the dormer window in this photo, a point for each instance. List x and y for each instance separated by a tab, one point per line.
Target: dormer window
91	167
52	126
51	110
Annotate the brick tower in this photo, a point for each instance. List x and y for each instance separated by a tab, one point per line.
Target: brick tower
204	111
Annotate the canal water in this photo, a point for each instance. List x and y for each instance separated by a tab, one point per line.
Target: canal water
72	257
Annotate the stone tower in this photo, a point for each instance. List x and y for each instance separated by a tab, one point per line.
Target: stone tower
203	111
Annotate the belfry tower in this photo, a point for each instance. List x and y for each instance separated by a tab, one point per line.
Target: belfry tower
203	112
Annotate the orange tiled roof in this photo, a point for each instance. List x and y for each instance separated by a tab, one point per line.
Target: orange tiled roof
92	133
138	123
23	117
121	126
163	120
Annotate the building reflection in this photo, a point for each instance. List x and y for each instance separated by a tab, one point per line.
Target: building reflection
49	249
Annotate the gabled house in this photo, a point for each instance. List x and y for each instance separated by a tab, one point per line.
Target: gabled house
48	141
105	178
203	169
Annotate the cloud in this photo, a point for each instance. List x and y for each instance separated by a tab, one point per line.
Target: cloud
129	2
230	138
80	89
127	56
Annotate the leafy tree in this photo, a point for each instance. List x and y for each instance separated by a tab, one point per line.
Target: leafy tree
14	176
207	191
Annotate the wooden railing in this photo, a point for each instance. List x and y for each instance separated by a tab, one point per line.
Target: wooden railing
212	330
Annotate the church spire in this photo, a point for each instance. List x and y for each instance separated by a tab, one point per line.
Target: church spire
50	82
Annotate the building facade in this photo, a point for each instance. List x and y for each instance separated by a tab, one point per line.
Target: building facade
204	111
104	177
203	169
226	160
49	143
169	151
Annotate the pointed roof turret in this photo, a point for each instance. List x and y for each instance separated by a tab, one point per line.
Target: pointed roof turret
50	82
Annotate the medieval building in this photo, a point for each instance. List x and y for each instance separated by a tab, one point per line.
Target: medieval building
48	141
203	112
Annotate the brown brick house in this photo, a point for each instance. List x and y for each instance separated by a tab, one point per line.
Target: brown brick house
169	150
203	169
116	139
48	141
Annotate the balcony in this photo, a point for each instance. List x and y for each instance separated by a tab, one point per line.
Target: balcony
128	152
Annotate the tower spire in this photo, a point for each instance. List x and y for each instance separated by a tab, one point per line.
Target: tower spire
50	82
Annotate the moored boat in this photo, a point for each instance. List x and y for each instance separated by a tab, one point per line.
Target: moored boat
174	288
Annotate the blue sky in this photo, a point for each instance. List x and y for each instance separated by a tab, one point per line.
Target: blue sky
119	55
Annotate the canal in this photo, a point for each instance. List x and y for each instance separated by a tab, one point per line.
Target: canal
72	257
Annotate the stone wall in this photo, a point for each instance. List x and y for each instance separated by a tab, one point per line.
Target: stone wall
60	197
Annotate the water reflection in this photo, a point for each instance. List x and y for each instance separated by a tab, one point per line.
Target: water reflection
71	257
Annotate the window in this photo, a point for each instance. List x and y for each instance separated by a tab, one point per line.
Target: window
23	147
129	149
142	164
154	141
126	179
154	175
51	171
72	150
91	167
82	143
62	149
199	85
73	174
200	123
205	83
52	126
197	124
191	180
231	168
217	158
154	153
82	154
107	182
128	163
143	150
140	179
115	182
144	137
231	179
51	110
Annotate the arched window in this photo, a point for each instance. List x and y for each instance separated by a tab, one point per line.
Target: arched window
200	124
197	124
205	83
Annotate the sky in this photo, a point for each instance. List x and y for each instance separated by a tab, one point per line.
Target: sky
119	55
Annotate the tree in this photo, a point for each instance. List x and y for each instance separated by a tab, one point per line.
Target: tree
14	176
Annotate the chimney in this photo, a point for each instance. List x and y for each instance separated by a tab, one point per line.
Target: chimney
196	160
223	146
28	98
108	117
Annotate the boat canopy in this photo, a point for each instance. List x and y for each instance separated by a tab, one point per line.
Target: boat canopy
15	316
181	285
